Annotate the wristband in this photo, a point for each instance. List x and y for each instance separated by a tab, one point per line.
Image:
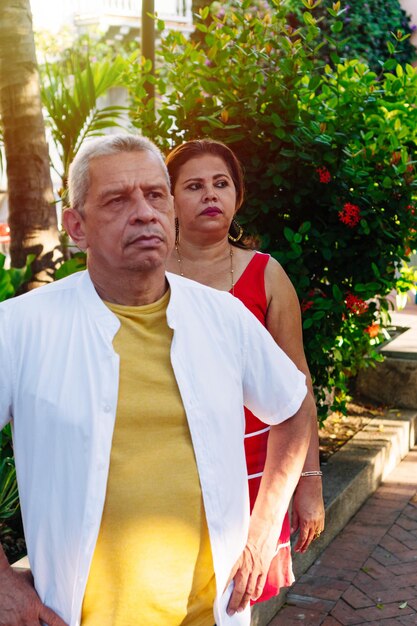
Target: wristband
312	473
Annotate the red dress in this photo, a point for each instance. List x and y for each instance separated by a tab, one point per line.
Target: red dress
250	289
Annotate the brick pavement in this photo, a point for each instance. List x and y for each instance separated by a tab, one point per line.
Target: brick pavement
367	576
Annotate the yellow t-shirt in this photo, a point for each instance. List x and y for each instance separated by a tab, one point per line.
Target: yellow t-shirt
152	564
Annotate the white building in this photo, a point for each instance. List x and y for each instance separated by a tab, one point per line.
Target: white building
115	18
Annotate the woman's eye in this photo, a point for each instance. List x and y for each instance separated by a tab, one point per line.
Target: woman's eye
194	186
222	183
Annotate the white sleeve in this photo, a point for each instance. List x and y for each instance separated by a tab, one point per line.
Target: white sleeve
273	387
5	373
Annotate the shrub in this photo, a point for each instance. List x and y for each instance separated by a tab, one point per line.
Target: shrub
328	157
374	31
10	281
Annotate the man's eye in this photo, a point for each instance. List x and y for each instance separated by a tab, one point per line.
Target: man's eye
116	200
155	195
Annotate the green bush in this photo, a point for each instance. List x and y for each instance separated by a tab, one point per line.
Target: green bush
11	279
372	31
328	152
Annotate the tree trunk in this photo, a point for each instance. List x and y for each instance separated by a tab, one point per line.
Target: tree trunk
196	5
148	41
32	214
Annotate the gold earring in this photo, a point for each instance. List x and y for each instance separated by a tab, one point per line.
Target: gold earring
177	232
236	228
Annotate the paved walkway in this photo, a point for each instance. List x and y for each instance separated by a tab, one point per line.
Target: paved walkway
368	574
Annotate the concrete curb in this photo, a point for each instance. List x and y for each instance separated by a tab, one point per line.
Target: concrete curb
351	475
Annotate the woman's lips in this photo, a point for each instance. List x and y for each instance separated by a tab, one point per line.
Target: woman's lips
211	210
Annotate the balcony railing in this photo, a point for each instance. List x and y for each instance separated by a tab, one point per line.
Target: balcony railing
176	9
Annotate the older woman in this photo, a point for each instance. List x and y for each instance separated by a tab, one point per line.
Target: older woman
207	183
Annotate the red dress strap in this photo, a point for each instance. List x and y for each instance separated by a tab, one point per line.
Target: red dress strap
250	288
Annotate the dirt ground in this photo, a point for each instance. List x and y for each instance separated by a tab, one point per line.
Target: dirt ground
338	429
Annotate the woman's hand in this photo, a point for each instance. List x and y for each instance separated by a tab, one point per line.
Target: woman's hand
307	512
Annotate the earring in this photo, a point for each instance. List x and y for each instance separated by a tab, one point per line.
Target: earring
235	231
177	232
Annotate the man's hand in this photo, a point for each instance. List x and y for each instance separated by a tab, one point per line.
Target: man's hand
249	574
20	604
307	514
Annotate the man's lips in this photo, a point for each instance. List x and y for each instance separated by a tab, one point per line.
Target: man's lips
211	210
146	241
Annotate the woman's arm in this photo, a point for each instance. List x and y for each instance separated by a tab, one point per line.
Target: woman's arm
283	321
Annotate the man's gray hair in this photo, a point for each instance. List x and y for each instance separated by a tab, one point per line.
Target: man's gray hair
79	171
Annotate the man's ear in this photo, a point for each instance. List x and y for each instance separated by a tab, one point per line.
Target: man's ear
74	225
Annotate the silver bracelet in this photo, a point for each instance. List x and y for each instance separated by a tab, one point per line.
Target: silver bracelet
312	473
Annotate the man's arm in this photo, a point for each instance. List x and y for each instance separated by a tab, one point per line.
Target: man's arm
19	603
287	447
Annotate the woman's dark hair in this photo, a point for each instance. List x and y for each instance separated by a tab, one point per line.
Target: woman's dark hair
199	147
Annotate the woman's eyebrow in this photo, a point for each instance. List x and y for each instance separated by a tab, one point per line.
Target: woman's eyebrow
199	178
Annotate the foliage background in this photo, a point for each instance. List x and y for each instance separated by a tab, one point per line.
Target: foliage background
328	151
367	33
328	147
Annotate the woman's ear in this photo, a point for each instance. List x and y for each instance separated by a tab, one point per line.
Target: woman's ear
73	223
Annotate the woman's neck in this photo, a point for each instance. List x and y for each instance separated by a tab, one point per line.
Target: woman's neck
211	264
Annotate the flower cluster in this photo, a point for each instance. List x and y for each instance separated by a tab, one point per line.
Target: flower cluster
305	305
350	214
324	175
373	330
356	305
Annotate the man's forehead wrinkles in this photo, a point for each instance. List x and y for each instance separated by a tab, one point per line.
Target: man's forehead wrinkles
128	187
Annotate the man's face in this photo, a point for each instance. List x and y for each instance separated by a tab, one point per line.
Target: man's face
128	220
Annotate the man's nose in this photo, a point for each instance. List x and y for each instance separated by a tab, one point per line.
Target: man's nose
141	210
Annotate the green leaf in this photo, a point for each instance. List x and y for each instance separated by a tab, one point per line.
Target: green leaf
288	234
337	27
304	228
389	64
205	12
337	293
315	81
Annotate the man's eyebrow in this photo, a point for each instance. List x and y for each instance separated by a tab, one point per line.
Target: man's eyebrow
122	189
106	193
162	185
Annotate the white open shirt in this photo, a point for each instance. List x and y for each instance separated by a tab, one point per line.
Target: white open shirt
59	386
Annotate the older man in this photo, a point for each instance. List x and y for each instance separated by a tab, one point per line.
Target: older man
125	387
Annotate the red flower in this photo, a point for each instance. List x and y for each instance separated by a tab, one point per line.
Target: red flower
305	305
350	214
324	175
373	330
356	305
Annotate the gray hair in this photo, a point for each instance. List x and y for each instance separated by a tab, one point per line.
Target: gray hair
79	171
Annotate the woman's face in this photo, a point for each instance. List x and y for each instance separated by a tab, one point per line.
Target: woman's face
205	196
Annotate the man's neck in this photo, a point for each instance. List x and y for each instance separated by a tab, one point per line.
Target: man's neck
136	290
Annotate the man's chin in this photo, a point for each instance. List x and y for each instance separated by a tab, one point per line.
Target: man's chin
147	264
